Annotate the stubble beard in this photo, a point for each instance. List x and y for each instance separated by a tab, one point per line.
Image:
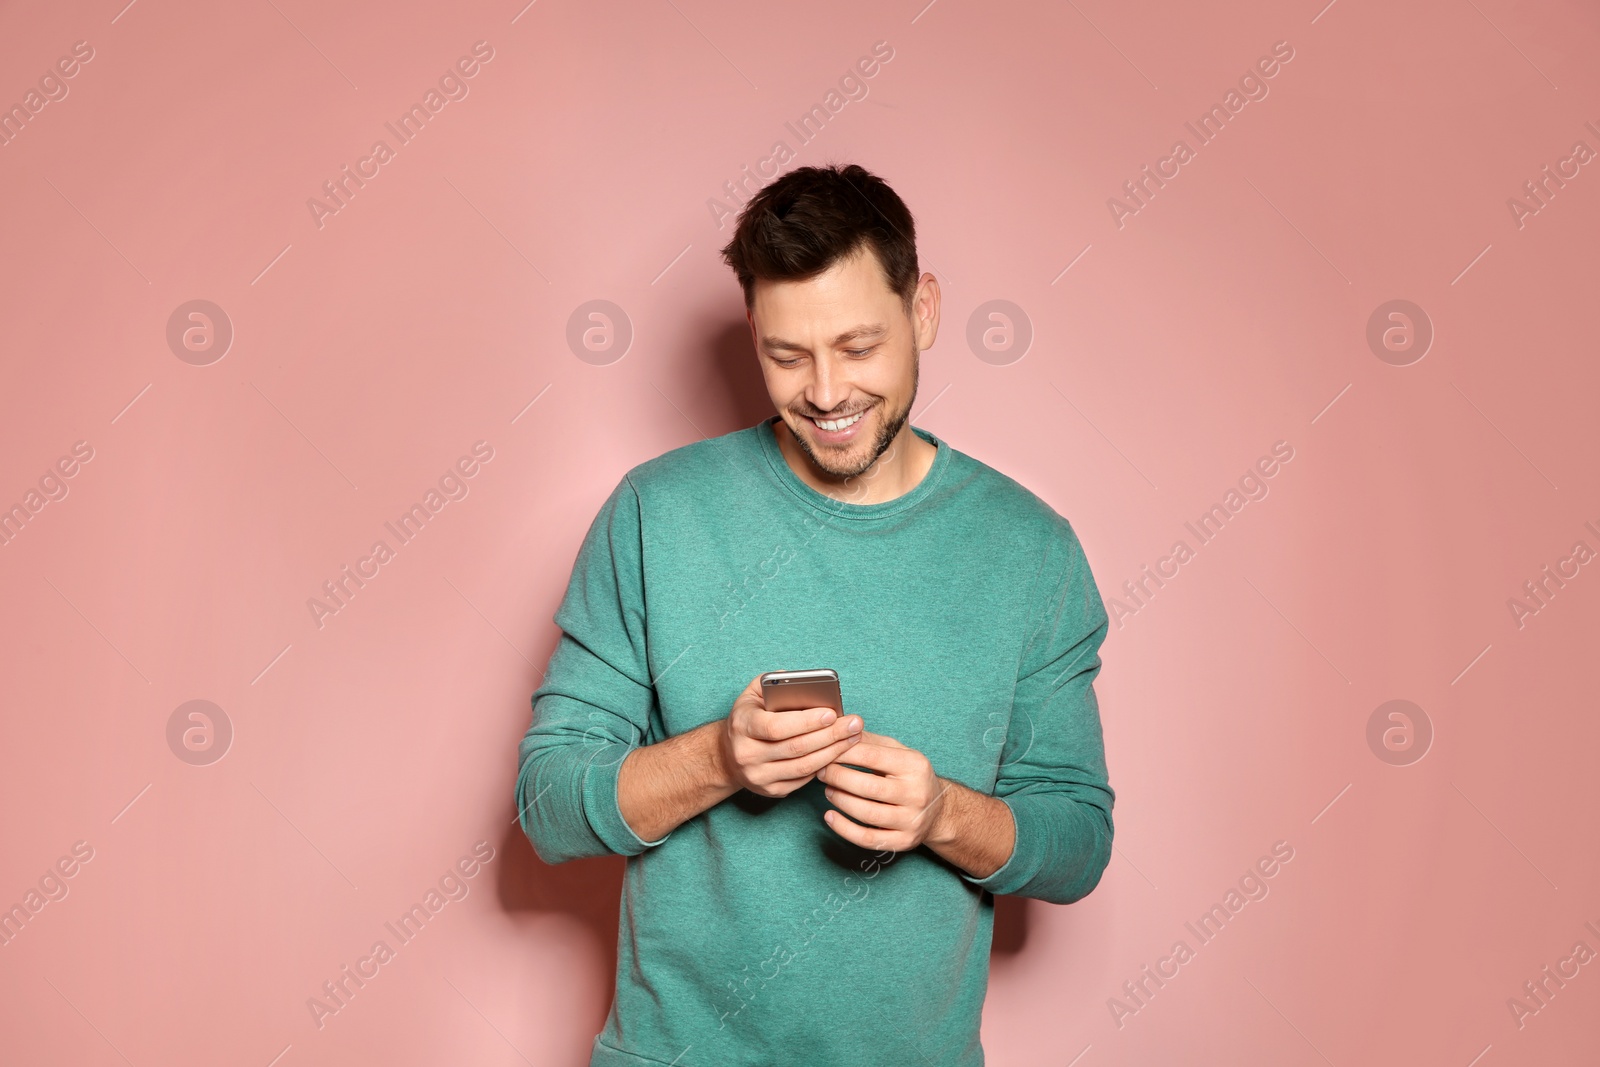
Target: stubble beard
886	433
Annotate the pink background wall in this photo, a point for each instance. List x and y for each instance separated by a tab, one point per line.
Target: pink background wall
367	754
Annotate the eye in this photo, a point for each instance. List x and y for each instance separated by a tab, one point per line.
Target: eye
857	351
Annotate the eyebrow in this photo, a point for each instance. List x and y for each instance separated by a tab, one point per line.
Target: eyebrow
866	330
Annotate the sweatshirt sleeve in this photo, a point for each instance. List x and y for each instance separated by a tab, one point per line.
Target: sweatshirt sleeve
596	701
1053	769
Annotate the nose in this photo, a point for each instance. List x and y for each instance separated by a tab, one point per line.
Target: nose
826	391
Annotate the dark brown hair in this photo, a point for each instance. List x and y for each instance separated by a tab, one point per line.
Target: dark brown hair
809	219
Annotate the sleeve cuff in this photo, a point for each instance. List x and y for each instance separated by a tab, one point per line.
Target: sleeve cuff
1010	876
602	807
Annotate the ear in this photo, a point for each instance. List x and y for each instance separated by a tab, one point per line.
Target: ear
925	311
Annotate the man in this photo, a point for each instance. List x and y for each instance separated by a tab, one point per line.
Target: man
802	890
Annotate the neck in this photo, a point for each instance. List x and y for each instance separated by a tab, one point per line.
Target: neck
900	468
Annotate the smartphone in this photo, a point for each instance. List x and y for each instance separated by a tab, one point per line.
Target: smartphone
798	690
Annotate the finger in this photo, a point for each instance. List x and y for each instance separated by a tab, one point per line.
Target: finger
869	837
766	725
751	694
806	744
875	756
809	764
882	739
781	788
870	812
806	741
863	784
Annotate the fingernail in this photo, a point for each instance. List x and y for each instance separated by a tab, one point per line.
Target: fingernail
855	725
826	716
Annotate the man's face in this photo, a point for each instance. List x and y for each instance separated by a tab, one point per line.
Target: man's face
840	348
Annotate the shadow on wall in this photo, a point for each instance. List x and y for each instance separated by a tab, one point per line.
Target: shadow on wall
735	374
732	396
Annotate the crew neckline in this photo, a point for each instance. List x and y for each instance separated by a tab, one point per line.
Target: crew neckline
842	508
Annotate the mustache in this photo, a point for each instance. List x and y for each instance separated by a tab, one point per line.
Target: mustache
845	415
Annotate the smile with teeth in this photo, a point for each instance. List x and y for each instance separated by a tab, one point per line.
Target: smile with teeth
835	425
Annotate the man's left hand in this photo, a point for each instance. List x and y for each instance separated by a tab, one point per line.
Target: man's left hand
897	809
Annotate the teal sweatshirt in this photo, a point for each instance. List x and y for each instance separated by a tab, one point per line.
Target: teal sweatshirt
963	621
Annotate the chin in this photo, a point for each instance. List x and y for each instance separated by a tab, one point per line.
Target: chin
849	461
855	470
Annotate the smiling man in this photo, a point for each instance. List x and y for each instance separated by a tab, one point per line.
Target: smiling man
800	889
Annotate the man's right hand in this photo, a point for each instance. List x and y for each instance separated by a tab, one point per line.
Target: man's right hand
773	753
